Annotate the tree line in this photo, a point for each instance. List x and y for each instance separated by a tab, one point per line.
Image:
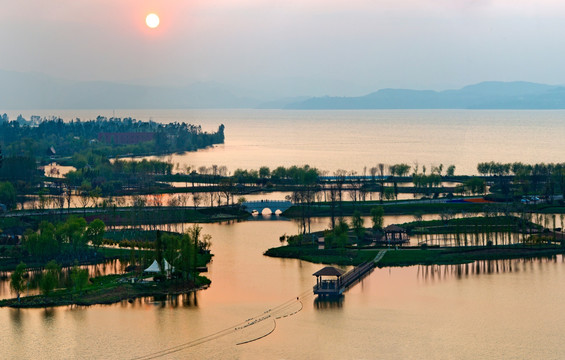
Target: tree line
65	241
517	179
67	138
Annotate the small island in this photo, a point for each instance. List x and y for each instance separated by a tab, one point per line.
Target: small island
109	204
76	240
439	242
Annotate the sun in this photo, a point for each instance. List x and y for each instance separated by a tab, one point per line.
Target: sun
152	20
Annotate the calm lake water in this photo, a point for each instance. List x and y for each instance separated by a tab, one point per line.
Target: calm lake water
352	140
504	309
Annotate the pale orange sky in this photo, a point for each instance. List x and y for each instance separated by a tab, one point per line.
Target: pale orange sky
314	47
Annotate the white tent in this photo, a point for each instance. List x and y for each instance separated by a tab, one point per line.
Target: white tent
154	267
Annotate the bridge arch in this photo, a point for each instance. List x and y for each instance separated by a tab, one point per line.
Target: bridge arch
266	207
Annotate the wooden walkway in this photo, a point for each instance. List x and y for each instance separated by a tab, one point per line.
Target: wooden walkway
352	276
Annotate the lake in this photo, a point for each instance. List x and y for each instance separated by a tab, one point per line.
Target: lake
499	309
355	139
488	310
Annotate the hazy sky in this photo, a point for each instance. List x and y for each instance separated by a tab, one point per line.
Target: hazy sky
310	47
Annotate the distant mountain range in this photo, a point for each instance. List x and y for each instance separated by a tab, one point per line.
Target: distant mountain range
485	95
38	91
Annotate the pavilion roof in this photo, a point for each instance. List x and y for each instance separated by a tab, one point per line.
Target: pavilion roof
329	271
394	228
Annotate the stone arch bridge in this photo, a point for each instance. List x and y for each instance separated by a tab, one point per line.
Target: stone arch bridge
260	205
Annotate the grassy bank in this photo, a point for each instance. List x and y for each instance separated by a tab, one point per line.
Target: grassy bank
127	215
311	253
415	256
348	209
107	290
103	254
502	223
465	255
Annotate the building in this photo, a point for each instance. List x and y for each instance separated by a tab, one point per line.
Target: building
395	235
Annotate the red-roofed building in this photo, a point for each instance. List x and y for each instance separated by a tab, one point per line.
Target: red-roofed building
125	138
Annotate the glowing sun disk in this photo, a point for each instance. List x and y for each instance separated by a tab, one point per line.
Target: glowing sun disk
152	20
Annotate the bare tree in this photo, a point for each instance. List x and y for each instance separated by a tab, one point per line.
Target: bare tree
339	181
84	195
68	196
333	198
196	199
183	199
381	167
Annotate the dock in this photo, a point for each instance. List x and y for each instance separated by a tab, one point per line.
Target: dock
339	280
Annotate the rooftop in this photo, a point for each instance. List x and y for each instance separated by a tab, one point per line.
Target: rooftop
329	271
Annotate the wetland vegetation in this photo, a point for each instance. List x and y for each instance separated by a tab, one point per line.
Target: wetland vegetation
498	214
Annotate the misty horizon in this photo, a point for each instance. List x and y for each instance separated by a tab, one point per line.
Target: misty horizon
291	49
31	90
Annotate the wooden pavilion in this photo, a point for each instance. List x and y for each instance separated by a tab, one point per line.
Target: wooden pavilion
395	235
328	281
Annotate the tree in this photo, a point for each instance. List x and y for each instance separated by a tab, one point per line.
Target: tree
8	194
205	243
186	248
196	199
227	187
68	196
43	199
84	193
95	194
79	277
381	167
50	277
483	168
95	232
340	233
264	172
357	223
354	188
418	216
194	233
475	185
43	243
399	169
73	232
333	192
450	170
389	193
377	214
339	181
17	283
159	251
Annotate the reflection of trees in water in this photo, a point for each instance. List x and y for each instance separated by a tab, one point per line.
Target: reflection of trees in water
16	317
187	300
180	227
31	281
49	314
432	273
109	267
321	303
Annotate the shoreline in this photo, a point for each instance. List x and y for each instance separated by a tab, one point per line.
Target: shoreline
107	294
414	256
